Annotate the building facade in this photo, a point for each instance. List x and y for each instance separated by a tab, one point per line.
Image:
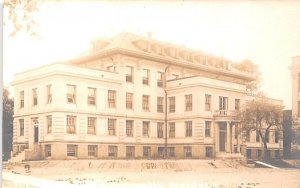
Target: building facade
132	97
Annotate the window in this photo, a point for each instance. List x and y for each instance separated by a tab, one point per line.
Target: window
257	139
276	136
223	103
160	105
259	153
21	122
71	95
91	96
172	129
188	129
22	99
207	102
207	128
129	99
237	104
171	104
91	125
160	77
146	151
188	151
248	153
129	73
160	151
160	131
130	151
171	151
188	102
111	127
208	151
268	137
71	150
49	94
34	95
49	124
146	76
247	135
145	102
92	150
146	128
111	99
71	124
129	128
47	150
112	151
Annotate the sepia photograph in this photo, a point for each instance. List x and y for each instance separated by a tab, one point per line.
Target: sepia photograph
179	93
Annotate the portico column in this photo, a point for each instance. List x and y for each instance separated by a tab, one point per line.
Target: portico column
228	135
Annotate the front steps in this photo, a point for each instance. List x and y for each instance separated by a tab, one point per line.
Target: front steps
18	157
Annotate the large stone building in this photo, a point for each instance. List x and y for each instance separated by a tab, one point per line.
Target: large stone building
130	98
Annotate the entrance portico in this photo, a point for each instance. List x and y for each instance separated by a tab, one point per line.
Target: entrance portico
224	135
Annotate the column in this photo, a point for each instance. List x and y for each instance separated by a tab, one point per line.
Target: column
228	135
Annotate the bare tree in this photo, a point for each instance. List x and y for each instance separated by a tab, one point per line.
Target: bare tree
261	115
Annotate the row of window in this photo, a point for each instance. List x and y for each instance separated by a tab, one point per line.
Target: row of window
92	124
267	136
72	151
111	100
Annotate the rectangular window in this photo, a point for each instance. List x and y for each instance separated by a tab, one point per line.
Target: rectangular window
111	99
111	127
207	102
71	124
247	135
145	102
259	153
171	104
21	122
91	129
146	128
22	99
171	151
188	151
71	150
130	151
223	103
49	124
34	96
129	100
146	75
257	139
48	150
160	105
71	94
276	139
172	130
248	153
207	128
160	151
267	137
49	94
160	131
237	104
91	96
188	128
146	151
112	151
129	128
188	102
160	77
208	151
129	74
92	150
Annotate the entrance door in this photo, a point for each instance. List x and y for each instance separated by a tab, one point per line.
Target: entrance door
222	136
36	134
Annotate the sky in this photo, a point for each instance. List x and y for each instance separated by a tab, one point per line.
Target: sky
266	32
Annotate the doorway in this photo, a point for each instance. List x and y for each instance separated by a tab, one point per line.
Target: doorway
36	134
222	136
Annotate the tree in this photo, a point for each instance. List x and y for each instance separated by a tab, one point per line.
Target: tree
19	15
261	115
7	121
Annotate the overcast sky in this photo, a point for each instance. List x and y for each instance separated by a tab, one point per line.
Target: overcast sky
266	32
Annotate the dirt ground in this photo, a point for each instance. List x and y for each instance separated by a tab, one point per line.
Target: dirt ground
147	173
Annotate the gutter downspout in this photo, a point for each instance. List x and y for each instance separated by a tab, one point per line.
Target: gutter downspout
166	112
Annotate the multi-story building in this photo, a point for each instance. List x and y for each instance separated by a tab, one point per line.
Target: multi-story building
131	97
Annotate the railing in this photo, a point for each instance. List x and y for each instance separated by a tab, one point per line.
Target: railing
225	113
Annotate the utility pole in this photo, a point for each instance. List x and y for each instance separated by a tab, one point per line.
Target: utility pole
166	112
